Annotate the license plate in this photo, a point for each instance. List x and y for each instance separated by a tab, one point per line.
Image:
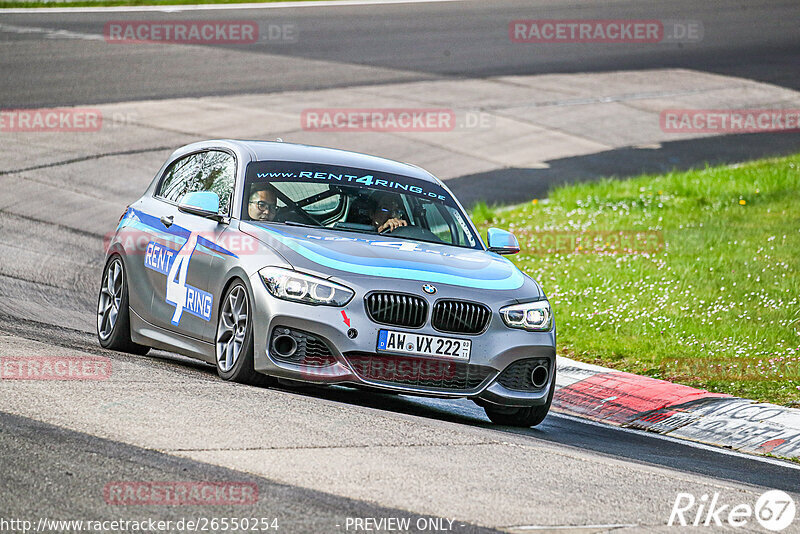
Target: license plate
423	345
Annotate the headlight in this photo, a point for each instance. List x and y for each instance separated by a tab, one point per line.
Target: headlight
291	285
535	316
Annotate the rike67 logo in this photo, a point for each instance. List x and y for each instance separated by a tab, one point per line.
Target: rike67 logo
774	510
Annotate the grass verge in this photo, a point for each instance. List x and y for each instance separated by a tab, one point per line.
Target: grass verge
691	277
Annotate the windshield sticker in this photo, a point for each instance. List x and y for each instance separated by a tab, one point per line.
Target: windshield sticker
346	176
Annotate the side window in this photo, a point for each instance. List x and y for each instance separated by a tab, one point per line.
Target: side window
213	171
180	178
218	176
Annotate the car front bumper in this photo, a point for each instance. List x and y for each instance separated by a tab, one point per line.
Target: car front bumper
492	351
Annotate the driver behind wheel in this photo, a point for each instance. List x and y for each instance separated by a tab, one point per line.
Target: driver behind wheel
387	213
262	205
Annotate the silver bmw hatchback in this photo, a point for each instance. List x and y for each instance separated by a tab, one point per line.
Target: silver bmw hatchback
273	261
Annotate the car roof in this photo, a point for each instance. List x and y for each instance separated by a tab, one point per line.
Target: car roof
280	151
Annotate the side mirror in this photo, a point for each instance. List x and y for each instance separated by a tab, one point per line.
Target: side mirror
501	241
202	203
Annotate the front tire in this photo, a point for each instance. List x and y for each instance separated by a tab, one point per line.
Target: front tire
523	417
113	312
234	339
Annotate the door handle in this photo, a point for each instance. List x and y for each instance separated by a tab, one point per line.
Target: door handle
167	220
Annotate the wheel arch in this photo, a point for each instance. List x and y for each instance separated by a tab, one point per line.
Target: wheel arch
234	275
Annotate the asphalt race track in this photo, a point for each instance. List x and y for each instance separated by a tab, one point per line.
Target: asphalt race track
321	456
378	44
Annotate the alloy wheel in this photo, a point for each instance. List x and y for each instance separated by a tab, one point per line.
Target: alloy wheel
110	300
232	328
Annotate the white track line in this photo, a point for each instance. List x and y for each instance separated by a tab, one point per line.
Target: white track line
49	33
220	7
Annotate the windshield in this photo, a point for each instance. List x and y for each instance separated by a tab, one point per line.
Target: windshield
354	200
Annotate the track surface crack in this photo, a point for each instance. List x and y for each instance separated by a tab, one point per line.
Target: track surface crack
87	158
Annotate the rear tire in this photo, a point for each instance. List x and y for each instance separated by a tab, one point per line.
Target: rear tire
113	312
523	417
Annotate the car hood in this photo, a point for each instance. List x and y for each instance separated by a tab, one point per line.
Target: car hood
332	253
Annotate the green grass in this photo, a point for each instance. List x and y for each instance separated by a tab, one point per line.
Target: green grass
786	458
715	305
105	3
483	215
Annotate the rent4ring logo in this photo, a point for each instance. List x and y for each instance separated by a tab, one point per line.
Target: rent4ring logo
175	264
159	258
774	511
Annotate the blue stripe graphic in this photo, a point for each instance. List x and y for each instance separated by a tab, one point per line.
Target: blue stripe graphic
154	223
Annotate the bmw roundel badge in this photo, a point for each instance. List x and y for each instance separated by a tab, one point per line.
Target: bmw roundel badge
429	289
